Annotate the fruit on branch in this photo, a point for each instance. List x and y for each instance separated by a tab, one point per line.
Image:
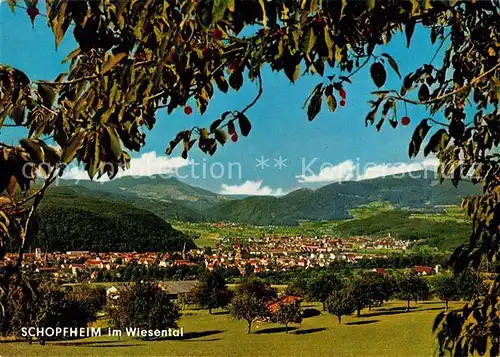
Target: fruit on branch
217	34
234	65
405	120
32	12
230	128
188	110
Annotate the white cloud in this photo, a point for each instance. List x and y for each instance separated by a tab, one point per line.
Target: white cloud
148	164
388	169
349	171
344	171
251	188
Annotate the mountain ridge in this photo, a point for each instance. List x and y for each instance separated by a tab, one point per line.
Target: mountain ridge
171	198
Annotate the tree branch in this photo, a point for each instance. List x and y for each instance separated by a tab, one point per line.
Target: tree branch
259	77
449	94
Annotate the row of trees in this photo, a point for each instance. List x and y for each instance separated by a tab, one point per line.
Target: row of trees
368	289
145	305
339	295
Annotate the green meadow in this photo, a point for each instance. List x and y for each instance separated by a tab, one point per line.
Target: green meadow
385	331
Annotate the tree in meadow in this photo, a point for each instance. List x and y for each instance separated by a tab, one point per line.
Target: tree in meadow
212	291
340	303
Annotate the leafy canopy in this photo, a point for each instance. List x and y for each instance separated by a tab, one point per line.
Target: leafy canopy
135	58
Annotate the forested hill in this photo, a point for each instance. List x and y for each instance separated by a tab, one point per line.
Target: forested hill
70	219
332	202
167	197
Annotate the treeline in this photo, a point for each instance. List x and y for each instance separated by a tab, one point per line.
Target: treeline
393	261
343	295
136	272
69	221
255	299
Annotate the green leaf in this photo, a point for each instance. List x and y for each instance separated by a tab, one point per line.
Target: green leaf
215	124
220	136
34	150
393	63
60	22
18	114
12	5
236	80
262	4
369	5
329	44
456	128
379	124
219	8
221	83
409	28
332	102
74	144
244	123
308	41
95	160
418	136
52	155
114	142
292	71
330	98
72	55
47	93
378	74
112	61
423	93
314	106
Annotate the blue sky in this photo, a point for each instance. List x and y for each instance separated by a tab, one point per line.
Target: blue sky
339	141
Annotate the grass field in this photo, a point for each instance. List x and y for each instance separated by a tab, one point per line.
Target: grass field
385	331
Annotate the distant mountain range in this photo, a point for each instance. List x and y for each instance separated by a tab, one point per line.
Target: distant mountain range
333	201
170	198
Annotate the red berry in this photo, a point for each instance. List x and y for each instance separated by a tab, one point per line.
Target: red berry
32	12
217	34
234	137
342	103
188	110
230	130
405	121
233	66
172	57
342	93
319	20
141	122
